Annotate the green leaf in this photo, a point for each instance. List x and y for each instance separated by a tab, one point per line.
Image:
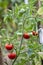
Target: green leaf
40	11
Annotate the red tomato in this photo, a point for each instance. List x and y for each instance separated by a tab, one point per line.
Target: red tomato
26	35
12	55
9	46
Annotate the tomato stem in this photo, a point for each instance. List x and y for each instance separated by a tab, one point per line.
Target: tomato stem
20	44
6	63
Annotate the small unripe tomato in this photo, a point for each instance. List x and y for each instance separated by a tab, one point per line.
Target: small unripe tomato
12	55
9	46
26	36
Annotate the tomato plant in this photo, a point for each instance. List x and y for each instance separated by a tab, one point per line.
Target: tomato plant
18	31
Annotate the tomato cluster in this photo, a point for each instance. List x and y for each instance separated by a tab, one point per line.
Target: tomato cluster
10	47
27	36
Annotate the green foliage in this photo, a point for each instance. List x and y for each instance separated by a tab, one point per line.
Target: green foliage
40	11
11	23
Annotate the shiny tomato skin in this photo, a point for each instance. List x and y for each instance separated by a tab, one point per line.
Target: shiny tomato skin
26	36
9	46
12	55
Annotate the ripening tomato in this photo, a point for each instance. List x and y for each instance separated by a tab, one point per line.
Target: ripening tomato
9	46
34	33
26	35
12	55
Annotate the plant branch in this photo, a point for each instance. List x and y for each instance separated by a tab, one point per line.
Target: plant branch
20	45
6	63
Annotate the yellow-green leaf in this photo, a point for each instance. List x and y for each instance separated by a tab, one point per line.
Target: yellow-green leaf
40	11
